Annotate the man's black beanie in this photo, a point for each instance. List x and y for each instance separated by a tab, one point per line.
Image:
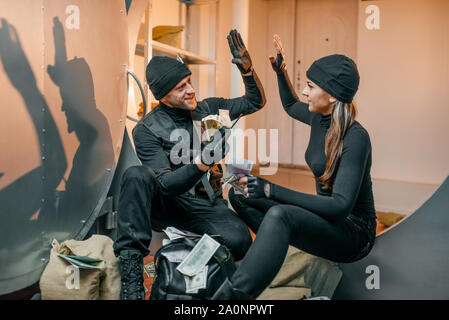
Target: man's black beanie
337	75
163	74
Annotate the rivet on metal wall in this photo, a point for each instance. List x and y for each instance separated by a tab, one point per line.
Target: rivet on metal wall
108	169
43	130
83	221
43	158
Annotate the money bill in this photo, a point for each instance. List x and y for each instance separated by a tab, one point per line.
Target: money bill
197	282
199	256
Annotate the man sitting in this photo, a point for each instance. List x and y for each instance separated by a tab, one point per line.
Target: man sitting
173	189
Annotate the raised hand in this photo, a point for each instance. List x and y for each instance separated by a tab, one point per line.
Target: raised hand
239	52
278	63
13	58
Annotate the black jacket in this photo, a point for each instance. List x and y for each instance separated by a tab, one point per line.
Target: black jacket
152	135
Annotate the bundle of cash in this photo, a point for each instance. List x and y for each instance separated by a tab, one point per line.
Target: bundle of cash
199	256
233	181
194	266
210	125
213	122
196	282
234	171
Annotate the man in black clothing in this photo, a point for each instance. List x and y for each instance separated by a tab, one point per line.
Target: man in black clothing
164	190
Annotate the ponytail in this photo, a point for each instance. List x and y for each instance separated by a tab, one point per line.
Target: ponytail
343	116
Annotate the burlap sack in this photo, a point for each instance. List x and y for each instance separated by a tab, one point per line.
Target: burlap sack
58	282
303	275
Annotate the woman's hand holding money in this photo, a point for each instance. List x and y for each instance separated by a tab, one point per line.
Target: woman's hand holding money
256	187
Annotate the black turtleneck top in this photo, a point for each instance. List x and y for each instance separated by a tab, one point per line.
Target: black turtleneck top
351	194
149	148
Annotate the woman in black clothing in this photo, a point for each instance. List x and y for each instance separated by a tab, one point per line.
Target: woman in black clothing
339	222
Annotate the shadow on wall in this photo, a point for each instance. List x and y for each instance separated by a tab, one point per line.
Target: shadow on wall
31	206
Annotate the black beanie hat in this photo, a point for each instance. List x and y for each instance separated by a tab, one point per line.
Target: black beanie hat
163	74
337	75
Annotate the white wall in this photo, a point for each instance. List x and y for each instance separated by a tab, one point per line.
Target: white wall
404	90
402	99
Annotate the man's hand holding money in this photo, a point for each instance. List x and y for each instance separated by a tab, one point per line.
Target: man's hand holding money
216	148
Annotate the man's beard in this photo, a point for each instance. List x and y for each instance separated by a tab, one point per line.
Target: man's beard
189	104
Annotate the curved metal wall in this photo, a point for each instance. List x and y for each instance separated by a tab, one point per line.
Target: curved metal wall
63	98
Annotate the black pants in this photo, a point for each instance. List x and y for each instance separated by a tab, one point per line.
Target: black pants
278	226
142	208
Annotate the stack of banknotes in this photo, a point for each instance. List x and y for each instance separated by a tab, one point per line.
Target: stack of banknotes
234	171
192	264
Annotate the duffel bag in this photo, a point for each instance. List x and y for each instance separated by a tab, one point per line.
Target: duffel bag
170	284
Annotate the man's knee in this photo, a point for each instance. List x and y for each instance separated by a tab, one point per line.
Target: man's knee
237	238
139	173
235	199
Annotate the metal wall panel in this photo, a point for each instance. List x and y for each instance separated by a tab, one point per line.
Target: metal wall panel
63	98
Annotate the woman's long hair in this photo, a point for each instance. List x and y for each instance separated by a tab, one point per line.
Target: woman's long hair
343	116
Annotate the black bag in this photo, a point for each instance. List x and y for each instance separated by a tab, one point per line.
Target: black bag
169	283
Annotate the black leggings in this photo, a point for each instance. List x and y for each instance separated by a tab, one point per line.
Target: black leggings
278	226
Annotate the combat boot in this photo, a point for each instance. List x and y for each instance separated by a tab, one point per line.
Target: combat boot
131	272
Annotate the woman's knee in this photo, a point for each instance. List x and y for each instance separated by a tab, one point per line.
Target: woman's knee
277	213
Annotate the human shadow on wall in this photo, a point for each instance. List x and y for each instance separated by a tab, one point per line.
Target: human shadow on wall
29	200
95	153
36	205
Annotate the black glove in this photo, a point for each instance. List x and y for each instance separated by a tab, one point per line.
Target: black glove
216	148
258	187
239	52
278	65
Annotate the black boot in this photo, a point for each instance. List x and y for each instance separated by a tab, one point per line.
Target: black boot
228	292
131	272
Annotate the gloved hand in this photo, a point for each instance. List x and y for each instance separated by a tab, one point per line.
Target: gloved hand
239	52
278	63
258	187
216	148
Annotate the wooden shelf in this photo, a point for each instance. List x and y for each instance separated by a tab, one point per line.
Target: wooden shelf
188	57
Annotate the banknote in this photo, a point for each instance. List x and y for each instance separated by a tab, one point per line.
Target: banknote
199	256
174	233
197	282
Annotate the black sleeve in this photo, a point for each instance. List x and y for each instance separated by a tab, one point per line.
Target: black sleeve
151	154
296	109
253	100
355	155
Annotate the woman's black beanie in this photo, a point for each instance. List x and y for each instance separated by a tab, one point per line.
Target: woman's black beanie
337	75
163	74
